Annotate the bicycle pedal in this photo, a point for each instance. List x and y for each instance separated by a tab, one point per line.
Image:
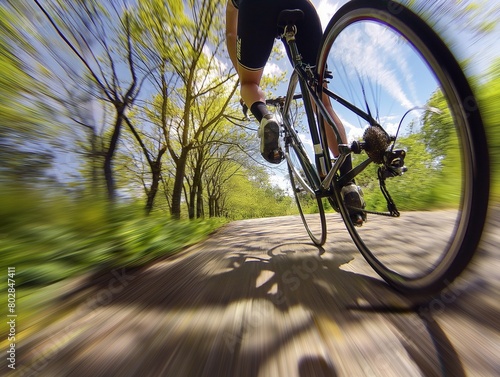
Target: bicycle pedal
358	219
276	156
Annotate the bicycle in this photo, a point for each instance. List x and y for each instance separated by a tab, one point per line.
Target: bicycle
422	157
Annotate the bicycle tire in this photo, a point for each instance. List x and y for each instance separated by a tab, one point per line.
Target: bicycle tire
304	181
443	197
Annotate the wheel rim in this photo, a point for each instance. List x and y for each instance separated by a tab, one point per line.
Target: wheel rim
432	231
310	208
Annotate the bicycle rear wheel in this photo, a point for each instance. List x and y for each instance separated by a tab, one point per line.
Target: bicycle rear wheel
305	181
389	64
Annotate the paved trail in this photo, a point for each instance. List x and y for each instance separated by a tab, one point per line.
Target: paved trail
258	299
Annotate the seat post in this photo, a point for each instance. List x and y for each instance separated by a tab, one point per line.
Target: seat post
290	31
287	19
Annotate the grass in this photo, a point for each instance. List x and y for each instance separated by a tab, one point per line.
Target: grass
49	240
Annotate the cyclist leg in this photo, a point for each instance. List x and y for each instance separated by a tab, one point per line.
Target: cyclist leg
268	126
256	31
249	47
250	89
332	139
255	40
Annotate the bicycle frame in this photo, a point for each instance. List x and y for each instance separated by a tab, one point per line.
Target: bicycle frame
314	87
328	180
305	76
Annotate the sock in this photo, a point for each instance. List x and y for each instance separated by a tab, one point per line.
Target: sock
259	110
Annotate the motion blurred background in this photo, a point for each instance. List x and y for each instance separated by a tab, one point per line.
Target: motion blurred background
122	138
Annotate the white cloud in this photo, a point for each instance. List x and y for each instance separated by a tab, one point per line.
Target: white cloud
369	52
272	69
326	9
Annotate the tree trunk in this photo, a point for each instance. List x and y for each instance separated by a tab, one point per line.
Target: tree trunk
211	207
199	202
195	191
108	158
191	204
180	171
95	189
153	190
217	209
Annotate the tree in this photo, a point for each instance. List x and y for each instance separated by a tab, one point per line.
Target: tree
488	94
219	171
101	39
249	194
27	123
478	17
185	46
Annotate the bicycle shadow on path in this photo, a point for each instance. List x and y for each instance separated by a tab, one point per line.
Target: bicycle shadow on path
230	307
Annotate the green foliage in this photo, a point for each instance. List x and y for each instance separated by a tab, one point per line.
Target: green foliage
51	238
254	197
488	95
434	177
415	190
476	17
14	80
23	105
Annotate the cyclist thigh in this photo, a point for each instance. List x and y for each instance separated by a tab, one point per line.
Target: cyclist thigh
257	29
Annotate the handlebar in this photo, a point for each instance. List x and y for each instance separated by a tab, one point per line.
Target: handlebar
278	101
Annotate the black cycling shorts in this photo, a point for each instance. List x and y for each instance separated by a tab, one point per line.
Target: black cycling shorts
257	30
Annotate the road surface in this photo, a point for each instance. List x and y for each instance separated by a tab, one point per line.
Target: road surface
258	299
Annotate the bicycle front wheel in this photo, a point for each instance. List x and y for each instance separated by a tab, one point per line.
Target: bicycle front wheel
305	181
390	65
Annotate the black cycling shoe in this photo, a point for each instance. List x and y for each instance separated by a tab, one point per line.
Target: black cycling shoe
353	198
269	132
